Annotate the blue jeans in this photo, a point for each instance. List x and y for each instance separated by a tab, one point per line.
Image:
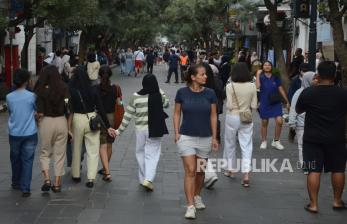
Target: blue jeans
22	152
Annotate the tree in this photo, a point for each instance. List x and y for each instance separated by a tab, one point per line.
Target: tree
3	25
61	13
197	22
277	39
3	21
133	22
337	10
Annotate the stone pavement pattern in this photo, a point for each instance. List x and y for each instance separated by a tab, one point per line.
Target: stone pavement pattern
272	197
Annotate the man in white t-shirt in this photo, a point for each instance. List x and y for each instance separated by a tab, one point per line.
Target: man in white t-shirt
58	62
139	58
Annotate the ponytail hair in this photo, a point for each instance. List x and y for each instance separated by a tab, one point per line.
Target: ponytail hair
105	83
192	71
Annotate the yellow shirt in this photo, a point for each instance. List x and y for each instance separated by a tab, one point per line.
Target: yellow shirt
93	70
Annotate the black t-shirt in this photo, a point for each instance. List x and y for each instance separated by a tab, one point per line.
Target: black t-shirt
108	99
150	58
92	102
326	108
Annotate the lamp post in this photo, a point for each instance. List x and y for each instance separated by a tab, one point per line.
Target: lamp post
313	36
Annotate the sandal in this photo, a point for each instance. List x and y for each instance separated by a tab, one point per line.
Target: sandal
107	177
245	183
229	174
56	189
46	186
342	207
101	172
309	209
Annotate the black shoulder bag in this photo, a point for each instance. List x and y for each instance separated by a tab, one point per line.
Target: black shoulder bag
95	122
275	97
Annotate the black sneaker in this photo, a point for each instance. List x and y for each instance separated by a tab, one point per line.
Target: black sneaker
167	82
90	184
76	179
15	187
26	194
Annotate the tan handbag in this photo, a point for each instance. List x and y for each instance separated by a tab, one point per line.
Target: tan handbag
245	116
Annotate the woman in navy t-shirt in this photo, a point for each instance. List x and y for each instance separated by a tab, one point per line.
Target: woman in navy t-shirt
197	133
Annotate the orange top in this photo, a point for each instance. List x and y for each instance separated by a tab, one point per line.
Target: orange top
184	60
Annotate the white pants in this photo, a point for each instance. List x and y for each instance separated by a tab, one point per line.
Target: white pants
147	154
300	135
233	126
81	132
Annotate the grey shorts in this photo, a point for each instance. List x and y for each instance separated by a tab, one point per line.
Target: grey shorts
200	146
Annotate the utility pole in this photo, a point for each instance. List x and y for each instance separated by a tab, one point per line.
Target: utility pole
11	34
313	36
274	52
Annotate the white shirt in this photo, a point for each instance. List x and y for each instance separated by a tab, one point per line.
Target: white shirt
139	56
58	63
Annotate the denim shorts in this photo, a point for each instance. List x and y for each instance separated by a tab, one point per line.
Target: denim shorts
199	146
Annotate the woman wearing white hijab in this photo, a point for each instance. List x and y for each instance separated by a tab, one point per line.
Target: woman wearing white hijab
297	121
49	59
67	69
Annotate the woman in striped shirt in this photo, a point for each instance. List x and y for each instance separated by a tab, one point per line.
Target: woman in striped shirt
146	106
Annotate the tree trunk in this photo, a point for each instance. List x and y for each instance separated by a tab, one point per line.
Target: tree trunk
338	36
83	47
29	33
277	39
339	42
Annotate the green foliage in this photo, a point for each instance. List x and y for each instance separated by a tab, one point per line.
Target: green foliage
69	15
190	20
133	22
202	20
3	21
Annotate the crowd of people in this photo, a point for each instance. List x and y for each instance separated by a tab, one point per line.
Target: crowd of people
71	111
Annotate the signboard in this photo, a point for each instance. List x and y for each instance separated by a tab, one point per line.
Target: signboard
302	9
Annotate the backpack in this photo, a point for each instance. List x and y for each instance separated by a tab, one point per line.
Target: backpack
122	59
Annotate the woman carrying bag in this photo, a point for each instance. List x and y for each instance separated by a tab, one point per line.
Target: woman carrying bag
109	98
146	106
85	123
241	99
270	99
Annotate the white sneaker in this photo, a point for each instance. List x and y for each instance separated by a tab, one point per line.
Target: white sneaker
209	182
190	213
198	203
263	145
148	185
277	145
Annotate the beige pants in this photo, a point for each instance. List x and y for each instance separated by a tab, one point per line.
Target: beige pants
53	133
80	130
